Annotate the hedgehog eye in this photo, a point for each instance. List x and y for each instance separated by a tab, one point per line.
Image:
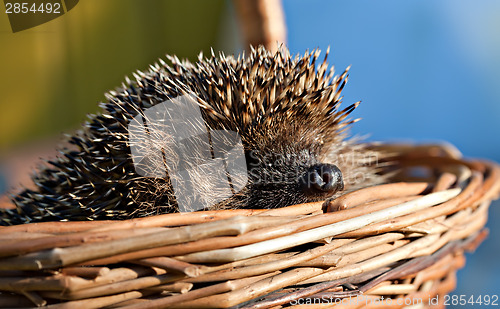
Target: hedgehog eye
324	179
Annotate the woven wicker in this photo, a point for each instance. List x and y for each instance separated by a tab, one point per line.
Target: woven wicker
389	246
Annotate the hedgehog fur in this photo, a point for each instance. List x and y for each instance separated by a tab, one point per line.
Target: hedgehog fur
285	109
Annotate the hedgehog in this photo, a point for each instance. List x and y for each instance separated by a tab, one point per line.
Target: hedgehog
286	118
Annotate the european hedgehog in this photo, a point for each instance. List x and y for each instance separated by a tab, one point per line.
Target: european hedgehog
285	109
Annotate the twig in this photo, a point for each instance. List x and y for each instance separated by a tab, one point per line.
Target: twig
66	256
273	245
305	292
369	194
172	264
198	294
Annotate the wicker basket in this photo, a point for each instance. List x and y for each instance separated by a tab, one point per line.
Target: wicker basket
390	246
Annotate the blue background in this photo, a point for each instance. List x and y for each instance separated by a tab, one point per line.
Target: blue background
425	71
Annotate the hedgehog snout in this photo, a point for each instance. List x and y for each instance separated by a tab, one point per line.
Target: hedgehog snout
322	179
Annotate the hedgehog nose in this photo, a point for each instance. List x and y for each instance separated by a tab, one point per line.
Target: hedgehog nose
324	179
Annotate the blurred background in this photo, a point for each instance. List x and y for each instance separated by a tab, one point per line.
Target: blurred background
426	71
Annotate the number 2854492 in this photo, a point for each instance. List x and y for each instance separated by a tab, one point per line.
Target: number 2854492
32	8
466	300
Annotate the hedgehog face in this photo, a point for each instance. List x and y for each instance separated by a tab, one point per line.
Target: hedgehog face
283	179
